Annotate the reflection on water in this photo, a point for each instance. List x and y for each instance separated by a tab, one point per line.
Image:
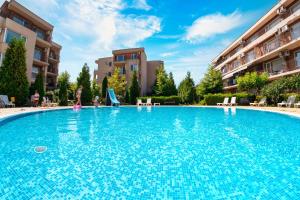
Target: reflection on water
149	108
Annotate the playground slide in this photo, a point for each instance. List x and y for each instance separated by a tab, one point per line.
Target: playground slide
113	99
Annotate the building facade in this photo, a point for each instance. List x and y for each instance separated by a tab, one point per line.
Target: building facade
271	45
42	54
128	61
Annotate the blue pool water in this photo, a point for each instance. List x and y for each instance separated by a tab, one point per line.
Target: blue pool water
151	153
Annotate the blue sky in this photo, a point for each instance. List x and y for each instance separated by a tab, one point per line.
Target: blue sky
187	35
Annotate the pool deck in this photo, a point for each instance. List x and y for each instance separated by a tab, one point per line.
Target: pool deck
6	112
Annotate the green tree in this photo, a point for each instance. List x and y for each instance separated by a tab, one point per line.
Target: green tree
171	87
13	79
39	86
127	96
71	91
134	89
84	80
252	82
186	90
160	87
211	83
118	82
104	87
63	86
95	89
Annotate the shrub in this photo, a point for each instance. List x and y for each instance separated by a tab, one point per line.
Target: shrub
252	82
241	98
163	100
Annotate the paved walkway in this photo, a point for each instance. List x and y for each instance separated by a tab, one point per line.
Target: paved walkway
4	112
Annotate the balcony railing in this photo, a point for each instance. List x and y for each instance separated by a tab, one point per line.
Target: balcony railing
264	30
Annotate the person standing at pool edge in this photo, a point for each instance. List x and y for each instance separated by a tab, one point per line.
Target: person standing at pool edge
78	96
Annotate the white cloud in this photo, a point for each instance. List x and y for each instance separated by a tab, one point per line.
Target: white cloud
141	4
210	25
168	54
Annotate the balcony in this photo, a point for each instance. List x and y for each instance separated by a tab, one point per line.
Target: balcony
268	31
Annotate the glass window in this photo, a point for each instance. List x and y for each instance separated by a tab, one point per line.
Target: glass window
272	24
271	45
10	35
19	20
296	30
34	72
109	74
134	67
122	70
134	56
236	64
274	67
120	58
38	54
297	59
40	34
295	7
250	56
110	64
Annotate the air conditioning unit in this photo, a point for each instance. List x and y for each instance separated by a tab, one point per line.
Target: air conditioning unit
283	54
242	42
285	28
281	11
242	55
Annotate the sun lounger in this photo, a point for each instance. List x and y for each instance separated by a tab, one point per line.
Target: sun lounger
233	101
148	103
225	102
262	102
288	103
140	103
6	102
297	105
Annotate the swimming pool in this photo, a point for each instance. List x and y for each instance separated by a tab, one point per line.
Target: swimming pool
147	153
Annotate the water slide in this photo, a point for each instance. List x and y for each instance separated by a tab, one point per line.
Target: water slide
112	100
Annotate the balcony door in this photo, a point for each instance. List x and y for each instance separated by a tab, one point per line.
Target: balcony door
274	67
296	31
297	59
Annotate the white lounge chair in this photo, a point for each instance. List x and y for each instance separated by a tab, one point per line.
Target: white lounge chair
262	102
290	101
225	102
149	103
6	102
297	105
140	103
233	101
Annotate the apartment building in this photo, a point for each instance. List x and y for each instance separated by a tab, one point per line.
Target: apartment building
128	61
42	54
271	45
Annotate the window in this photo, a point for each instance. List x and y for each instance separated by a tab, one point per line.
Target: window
40	34
252	38
96	76
120	58
272	24
134	67
19	20
274	67
38	54
236	64
108	73
250	56
1	58
122	70
110	64
297	59
34	72
134	56
10	35
295	7
296	30
271	45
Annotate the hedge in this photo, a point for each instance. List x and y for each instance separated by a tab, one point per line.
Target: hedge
170	100
241	98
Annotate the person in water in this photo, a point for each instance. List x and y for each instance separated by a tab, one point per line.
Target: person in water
78	96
